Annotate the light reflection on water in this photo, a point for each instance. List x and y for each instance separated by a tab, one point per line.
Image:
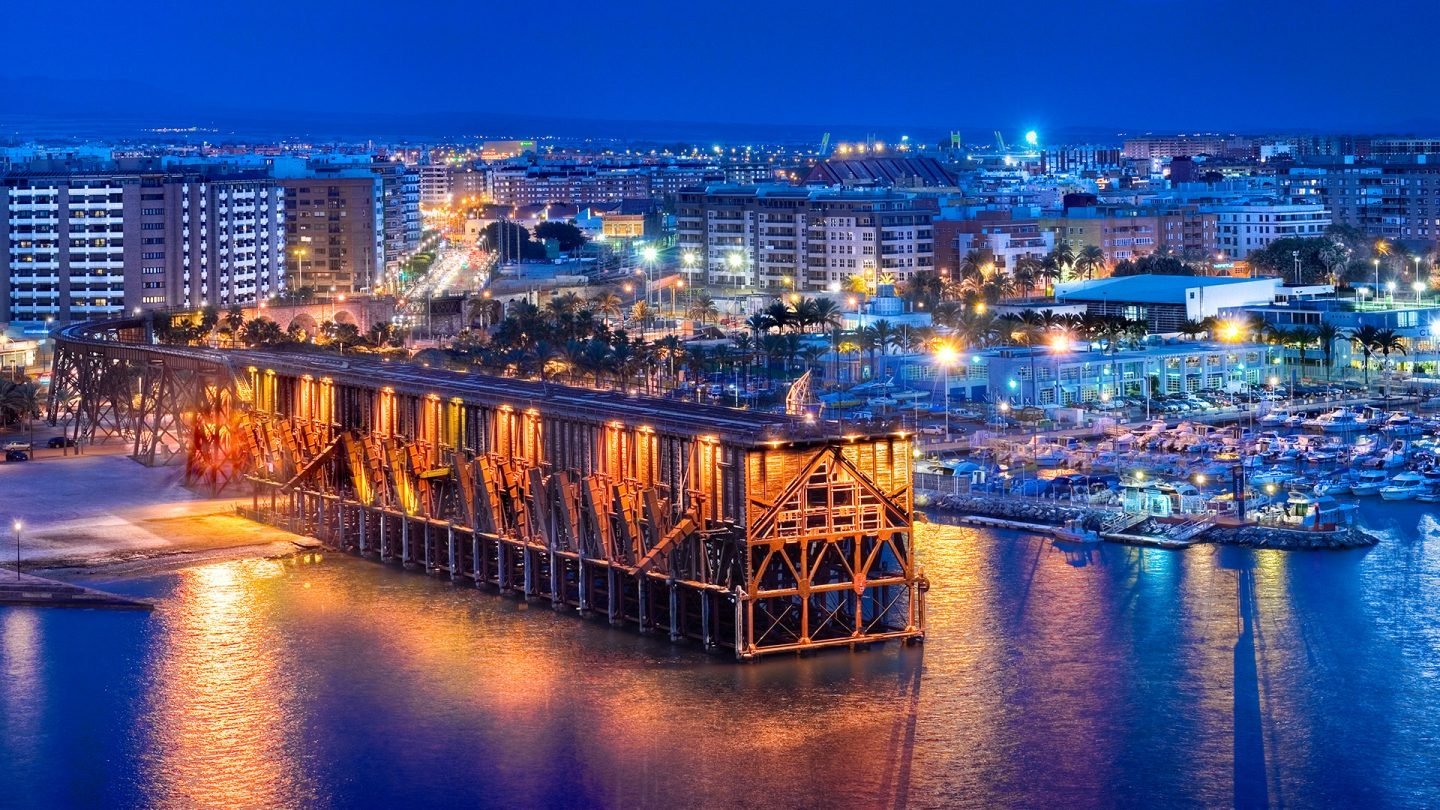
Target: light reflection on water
1051	676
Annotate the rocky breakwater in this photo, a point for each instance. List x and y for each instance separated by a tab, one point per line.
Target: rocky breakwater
1009	508
1290	539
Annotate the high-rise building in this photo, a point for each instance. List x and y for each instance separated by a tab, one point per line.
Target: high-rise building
82	242
334	226
782	237
434	183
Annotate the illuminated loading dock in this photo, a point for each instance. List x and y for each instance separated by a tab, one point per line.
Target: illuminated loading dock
742	530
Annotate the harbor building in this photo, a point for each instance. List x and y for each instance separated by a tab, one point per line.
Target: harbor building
1164	303
1078	373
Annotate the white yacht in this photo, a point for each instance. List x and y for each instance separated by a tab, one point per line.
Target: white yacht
1368	482
1403	487
1341	421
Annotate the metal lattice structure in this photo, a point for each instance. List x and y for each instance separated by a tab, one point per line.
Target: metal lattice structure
740	530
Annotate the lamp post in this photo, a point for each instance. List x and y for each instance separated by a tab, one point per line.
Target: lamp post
945	356
1376	261
648	255
18	525
299	254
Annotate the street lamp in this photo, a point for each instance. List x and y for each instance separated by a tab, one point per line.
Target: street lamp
945	356
1419	287
1376	261
18	525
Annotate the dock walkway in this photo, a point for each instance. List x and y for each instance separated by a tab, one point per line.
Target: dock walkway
33	591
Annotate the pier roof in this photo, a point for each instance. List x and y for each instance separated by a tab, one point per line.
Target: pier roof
551	399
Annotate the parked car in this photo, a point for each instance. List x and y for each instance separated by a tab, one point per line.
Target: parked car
57	442
16	445
933	430
16	455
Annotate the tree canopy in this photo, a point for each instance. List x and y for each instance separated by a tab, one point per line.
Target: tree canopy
566	235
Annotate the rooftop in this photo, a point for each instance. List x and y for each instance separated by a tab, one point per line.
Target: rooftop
1155	289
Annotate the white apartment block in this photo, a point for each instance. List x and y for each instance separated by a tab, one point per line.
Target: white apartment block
1246	228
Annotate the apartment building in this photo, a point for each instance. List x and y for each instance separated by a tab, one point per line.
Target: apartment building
434	182
574	184
1001	237
1245	228
82	242
334	232
1131	232
786	238
1397	199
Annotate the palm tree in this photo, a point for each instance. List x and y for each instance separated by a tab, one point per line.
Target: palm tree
642	312
1192	329
782	315
884	332
760	323
1089	259
702	308
1301	338
1366	337
609	305
972	267
1326	334
827	313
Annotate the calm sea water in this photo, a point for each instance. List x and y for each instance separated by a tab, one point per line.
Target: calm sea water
1117	676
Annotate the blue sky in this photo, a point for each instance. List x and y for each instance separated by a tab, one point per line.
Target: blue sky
1116	64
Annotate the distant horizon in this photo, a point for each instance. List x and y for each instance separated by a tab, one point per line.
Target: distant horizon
220	126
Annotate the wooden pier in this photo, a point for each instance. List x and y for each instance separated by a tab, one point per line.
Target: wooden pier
752	532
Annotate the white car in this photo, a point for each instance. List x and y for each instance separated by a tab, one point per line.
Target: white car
17	445
933	430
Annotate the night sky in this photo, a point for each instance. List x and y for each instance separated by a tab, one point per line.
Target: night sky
1114	65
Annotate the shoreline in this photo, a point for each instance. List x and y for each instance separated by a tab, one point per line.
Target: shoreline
141	565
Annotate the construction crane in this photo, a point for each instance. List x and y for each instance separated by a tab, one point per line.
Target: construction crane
825	145
1000	139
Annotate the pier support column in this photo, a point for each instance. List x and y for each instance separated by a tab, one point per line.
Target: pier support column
707	633
582	577
502	559
674	612
477	558
557	599
364	536
407	556
527	571
384	543
612	592
453	552
642	603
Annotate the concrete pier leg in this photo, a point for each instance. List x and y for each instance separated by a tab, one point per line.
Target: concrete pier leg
477	559
642	604
527	571
707	632
582	577
674	612
557	599
364	536
453	552
502	574
384	543
407	557
612	580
